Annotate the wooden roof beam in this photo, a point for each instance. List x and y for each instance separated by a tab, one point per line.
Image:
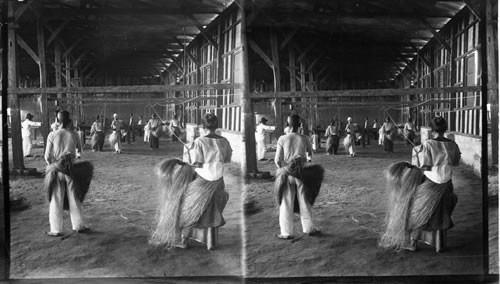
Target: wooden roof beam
255	47
28	49
22	8
304	53
51	13
202	31
56	32
426	62
436	35
192	57
70	49
288	37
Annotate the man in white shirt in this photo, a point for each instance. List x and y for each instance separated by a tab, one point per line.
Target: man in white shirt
27	134
292	153
59	155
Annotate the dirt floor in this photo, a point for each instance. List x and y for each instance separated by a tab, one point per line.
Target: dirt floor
119	208
350	212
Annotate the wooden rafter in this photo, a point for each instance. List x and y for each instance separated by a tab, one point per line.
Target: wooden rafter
436	35
306	51
55	32
28	49
68	51
288	37
22	8
202	31
255	47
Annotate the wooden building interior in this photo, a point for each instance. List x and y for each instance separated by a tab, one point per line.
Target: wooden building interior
324	59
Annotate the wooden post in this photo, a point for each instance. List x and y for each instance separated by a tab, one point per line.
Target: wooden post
293	75
14	103
43	81
249	165
67	70
4	189
58	67
491	51
277	80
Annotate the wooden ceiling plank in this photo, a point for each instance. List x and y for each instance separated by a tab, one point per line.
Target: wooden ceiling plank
27	48
202	31
71	13
255	47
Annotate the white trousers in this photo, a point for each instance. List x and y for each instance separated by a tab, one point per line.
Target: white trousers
64	186
27	146
146	135
261	150
349	143
295	186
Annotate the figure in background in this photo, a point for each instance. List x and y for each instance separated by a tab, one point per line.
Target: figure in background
421	198
97	132
365	137
140	126
116	136
295	180
332	138
131	129
350	139
260	138
375	129
27	127
388	128
409	132
155	132
66	182
147	133
315	141
175	129
55	125
192	195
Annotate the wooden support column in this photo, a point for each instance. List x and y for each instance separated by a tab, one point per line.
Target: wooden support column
4	187
491	54
249	164
43	81
58	67
14	102
220	68
277	80
67	77
293	71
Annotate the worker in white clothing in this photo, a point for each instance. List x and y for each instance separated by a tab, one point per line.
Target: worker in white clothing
27	134
260	138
